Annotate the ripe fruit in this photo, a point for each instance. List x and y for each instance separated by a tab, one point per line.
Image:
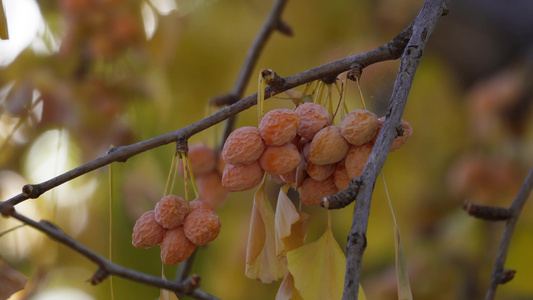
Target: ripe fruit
312	191
356	159
147	232
320	172
243	146
170	211
279	126
176	247
279	160
359	126
342	180
203	160
328	146
313	117
243	177
399	140
199	204
201	226
211	189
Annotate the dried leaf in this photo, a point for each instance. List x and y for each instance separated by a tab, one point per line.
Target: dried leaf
291	224
404	288
318	268
287	290
262	263
166	294
11	280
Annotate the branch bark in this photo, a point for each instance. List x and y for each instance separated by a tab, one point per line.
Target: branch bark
499	275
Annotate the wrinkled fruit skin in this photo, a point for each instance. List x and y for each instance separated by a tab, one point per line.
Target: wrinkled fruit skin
202	226
243	146
176	247
328	146
199	204
357	158
312	192
243	177
211	189
278	160
359	126
279	126
313	117
170	211
147	232
399	141
203	160
342	180
320	172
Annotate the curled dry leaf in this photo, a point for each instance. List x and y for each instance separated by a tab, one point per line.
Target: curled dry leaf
291	224
262	263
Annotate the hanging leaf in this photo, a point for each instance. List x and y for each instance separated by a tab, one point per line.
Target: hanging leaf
318	268
291	224
404	288
262	263
287	290
10	280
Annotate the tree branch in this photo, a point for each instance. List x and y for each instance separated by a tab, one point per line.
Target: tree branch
499	275
363	187
106	267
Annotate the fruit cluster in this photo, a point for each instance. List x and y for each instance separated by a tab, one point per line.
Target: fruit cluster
177	227
207	167
302	148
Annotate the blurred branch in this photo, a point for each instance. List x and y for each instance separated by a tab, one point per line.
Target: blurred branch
106	267
272	23
363	187
499	275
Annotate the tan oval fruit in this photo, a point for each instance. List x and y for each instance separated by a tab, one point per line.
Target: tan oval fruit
312	192
202	226
211	189
320	172
279	126
399	141
176	247
356	159
359	126
147	232
313	117
342	180
328	146
203	160
243	146
243	177
170	211
279	160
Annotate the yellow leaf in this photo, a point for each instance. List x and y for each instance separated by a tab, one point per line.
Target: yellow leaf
287	290
262	263
318	268
291	225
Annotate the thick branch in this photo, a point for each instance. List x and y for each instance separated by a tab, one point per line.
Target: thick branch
499	275
422	28
107	267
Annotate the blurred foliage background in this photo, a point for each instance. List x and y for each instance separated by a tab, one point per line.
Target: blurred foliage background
81	75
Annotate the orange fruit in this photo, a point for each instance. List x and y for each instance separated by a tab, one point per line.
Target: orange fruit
176	247
170	211
278	160
359	126
313	117
243	146
242	177
328	146
357	158
312	192
211	189
147	232
279	126
202	226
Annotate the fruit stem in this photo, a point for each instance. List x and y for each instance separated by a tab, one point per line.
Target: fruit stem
111	226
171	175
193	182
340	90
360	93
260	97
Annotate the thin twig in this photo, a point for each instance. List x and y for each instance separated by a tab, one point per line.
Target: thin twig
389	51
272	23
107	267
499	275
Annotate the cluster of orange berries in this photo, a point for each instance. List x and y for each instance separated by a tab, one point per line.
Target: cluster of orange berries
177	227
302	148
207	168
